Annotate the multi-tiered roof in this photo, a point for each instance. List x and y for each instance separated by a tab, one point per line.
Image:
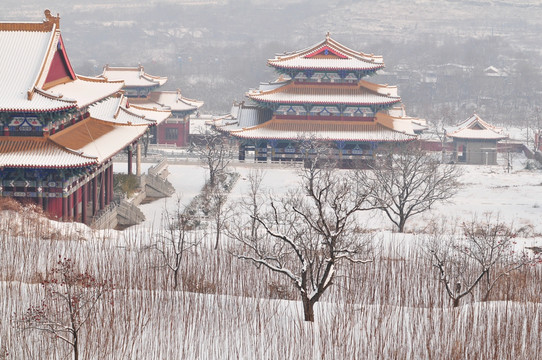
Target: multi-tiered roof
50	116
321	92
138	85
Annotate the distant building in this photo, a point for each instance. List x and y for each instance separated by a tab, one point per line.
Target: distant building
140	86
320	94
59	130
137	83
492	71
475	141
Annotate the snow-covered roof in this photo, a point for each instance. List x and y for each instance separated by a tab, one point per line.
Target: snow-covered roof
397	119
242	116
35	72
39	152
327	55
110	128
492	71
168	100
475	128
86	90
156	115
291	129
98	139
36	76
268	86
399	124
118	111
133	76
24	49
363	93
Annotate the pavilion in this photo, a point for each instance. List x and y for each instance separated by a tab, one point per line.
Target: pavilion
320	94
59	130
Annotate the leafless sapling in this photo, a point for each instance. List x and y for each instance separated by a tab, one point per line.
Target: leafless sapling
179	232
69	301
216	153
220	213
482	255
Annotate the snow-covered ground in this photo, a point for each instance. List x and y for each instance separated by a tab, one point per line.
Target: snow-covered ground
228	309
514	196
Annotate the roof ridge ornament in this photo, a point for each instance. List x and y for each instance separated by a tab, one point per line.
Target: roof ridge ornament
52	19
327	35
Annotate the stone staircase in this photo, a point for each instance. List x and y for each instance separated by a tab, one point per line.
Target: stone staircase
156	183
157	187
129	214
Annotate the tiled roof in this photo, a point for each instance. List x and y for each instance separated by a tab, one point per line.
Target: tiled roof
27	53
132	76
476	128
295	93
86	143
168	100
115	110
39	152
156	115
85	90
398	121
322	129
328	55
22	54
96	138
242	116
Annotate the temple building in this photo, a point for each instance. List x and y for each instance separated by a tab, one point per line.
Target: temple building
321	94
59	130
137	83
475	141
139	88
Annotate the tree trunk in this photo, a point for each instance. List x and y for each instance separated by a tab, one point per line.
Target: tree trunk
308	309
75	346
401	226
456	302
217	236
175	279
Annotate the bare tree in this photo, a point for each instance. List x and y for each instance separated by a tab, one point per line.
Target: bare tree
214	150
482	255
408	183
69	301
255	199
178	234
219	212
307	234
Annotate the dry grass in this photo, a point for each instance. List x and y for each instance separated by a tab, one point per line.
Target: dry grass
393	308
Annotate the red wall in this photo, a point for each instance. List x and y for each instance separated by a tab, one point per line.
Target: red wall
182	127
54	207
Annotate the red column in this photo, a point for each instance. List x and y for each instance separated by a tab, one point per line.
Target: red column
107	187
64	207
75	205
71	209
130	155
95	195
112	184
102	190
84	204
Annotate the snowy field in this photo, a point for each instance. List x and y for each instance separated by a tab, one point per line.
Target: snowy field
393	308
514	196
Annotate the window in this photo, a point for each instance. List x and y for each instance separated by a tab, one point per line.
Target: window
172	133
